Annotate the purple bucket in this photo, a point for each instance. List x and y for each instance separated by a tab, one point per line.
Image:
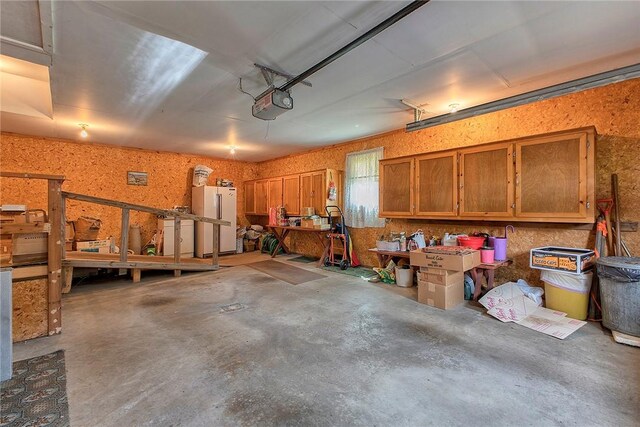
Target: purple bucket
500	246
491	242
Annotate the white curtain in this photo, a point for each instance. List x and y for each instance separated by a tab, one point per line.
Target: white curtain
361	189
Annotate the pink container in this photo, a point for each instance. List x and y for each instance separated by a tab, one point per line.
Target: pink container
486	255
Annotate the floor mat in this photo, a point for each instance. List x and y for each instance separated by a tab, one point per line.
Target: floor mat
285	272
37	393
303	259
353	271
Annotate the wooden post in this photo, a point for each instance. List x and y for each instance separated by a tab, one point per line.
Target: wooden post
177	242
63	210
135	275
124	235
216	245
67	276
55	245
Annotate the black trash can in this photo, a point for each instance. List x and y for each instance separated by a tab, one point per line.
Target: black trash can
620	293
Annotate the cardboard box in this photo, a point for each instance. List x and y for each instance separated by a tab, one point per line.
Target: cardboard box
461	260
5	249
440	296
31	247
249	245
568	260
69	232
440	277
307	211
310	222
99	246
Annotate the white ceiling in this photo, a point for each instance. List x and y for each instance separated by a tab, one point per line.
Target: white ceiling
164	75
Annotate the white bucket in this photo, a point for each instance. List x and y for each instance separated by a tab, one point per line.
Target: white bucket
404	277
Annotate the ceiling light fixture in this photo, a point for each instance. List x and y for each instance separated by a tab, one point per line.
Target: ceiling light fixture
453	108
232	150
83	132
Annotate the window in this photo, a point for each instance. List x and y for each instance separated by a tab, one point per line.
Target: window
361	189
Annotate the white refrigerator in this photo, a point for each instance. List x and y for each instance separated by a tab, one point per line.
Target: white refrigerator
218	203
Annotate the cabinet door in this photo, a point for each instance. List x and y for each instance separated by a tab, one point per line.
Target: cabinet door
250	197
486	184
396	187
306	190
319	192
436	185
552	181
261	196
275	193
186	234
291	194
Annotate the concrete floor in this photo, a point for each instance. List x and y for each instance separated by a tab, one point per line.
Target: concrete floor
335	351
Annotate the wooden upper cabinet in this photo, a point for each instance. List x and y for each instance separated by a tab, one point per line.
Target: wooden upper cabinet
306	190
486	181
262	197
275	193
291	194
554	177
436	191
250	197
396	187
318	192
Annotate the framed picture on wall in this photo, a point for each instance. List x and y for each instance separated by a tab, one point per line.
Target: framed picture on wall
137	178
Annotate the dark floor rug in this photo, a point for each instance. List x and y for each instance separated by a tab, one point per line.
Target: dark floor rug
36	395
303	259
353	271
286	273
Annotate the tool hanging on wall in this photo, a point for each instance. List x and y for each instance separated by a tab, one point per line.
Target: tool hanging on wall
594	310
332	194
616	204
605	206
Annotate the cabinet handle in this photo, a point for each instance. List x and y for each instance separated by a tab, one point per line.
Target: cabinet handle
517	180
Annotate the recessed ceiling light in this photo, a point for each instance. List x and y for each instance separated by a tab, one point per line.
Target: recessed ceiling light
453	108
357	126
83	132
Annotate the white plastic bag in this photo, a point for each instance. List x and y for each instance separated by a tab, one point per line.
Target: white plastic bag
418	237
201	175
580	283
531	292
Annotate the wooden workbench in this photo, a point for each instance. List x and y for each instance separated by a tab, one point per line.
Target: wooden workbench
385	256
281	233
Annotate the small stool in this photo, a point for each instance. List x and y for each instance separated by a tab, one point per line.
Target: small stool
488	271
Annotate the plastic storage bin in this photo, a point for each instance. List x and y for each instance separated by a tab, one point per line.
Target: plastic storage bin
404	277
620	293
568	293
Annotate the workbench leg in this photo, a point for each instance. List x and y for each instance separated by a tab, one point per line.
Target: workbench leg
67	275
477	281
135	275
380	260
325	252
281	243
177	273
490	275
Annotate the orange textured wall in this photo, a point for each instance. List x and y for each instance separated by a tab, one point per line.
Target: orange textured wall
614	110
101	170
